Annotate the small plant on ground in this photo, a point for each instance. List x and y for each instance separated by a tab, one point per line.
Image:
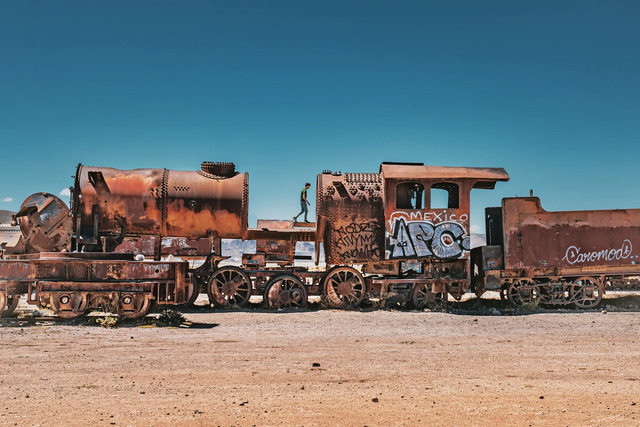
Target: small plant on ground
107	321
170	318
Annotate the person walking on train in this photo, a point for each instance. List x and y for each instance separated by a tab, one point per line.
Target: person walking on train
303	203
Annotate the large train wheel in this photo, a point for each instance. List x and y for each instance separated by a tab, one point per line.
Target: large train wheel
134	305
68	305
285	290
3	302
11	304
344	287
422	297
585	292
523	291
194	290
229	287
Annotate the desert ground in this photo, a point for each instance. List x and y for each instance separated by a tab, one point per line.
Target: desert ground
328	367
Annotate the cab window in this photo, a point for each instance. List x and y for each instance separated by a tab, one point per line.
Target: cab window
409	195
445	195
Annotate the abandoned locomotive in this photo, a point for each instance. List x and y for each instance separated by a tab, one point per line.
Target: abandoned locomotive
403	232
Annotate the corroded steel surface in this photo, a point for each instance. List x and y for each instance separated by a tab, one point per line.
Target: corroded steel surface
64	272
271	247
418	225
350	217
159	202
485	178
571	240
45	223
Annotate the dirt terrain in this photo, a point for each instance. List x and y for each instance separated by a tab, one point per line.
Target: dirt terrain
327	367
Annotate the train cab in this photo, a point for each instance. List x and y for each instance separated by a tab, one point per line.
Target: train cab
427	209
427	220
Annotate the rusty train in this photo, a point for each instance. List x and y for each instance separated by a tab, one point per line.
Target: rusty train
130	238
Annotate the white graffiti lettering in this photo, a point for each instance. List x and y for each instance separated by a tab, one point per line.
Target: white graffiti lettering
419	239
432	217
574	255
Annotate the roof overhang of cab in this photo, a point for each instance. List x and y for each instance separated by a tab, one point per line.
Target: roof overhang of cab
483	178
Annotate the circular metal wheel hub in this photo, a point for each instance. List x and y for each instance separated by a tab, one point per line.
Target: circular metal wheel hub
67	305
344	287
229	287
585	292
294	295
285	291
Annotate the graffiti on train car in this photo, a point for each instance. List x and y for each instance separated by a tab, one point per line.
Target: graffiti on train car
357	239
575	255
420	236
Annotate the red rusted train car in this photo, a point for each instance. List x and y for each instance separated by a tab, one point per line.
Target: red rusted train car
402	233
557	258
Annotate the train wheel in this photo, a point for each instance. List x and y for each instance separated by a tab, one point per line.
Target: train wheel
422	297
523	291
229	287
194	289
134	305
285	291
585	292
344	287
3	302
68	305
11	304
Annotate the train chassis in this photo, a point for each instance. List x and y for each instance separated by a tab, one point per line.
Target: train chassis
582	292
340	286
71	296
72	283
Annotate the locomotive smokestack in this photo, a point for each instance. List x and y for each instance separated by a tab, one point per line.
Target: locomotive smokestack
225	169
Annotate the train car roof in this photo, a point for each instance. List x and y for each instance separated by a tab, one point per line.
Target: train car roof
485	177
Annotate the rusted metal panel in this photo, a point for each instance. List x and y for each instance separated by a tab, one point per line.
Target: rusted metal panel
580	240
420	226
350	217
68	273
415	229
176	246
482	177
45	223
281	247
192	204
50	286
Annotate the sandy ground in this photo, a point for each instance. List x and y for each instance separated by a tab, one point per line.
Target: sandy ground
327	367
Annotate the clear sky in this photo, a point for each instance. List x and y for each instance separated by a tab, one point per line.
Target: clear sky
549	90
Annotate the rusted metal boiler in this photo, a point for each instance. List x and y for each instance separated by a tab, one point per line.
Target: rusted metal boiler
109	204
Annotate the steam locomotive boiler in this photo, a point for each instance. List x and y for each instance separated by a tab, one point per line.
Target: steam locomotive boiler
110	205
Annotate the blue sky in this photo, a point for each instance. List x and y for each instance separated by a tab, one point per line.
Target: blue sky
549	90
